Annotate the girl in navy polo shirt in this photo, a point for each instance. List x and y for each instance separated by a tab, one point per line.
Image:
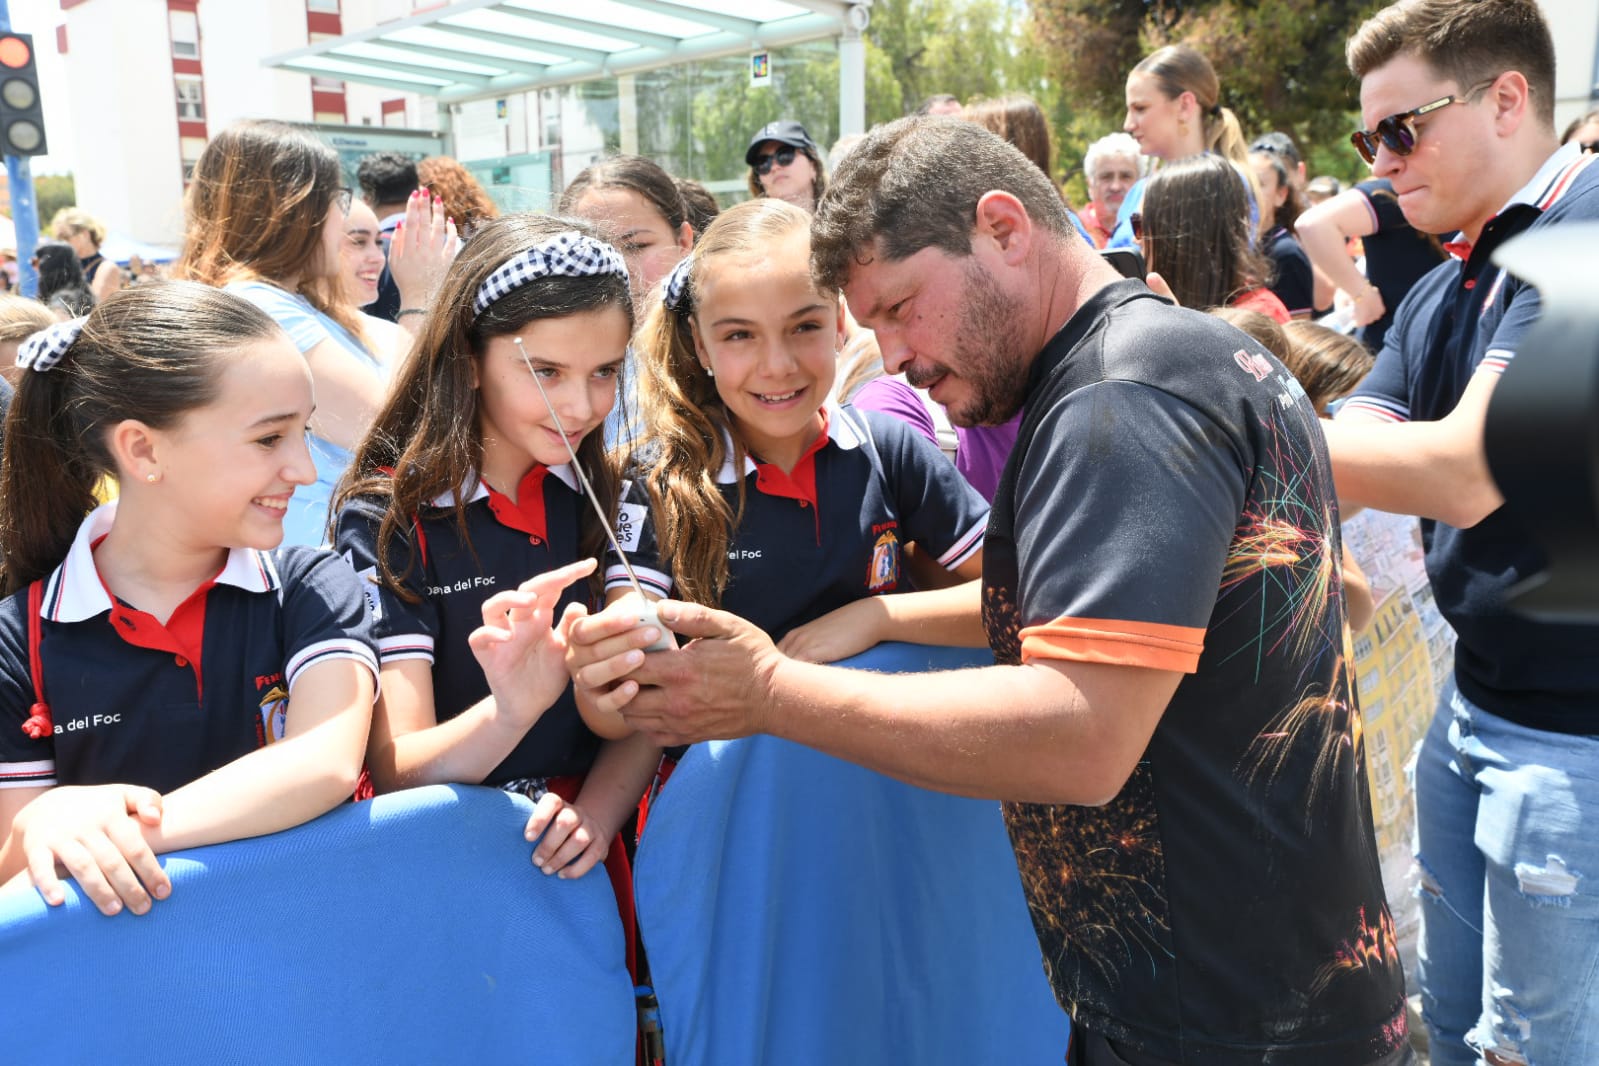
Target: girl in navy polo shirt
167	678
760	497
464	488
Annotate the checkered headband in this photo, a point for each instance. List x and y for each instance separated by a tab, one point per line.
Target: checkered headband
50	345
570	254
675	293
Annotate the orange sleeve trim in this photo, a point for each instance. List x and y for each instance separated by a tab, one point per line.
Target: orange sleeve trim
1115	641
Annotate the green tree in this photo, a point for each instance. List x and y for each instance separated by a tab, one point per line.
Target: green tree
1281	62
967	48
914	48
52	192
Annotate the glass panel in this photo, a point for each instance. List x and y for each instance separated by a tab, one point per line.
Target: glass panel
516	26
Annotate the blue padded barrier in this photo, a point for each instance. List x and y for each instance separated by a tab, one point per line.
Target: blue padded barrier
798	909
411	929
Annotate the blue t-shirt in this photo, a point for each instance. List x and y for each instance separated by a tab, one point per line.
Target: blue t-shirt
1461	317
306	522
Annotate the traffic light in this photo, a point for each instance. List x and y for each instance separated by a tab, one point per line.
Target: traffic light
21	116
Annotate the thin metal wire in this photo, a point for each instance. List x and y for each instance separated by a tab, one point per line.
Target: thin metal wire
577	468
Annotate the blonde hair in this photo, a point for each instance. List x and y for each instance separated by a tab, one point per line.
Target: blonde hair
70	220
21	318
1268	331
691	426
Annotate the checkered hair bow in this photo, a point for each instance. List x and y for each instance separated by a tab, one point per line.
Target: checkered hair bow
49	346
675	294
569	254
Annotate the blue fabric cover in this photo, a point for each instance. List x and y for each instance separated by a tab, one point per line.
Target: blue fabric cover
411	929
799	909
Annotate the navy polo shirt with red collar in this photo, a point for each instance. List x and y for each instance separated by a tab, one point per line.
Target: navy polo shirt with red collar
1469	315
831	531
449	578
135	701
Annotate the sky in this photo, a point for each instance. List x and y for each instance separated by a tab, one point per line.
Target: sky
40	18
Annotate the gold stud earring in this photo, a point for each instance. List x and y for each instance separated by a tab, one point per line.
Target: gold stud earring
152	478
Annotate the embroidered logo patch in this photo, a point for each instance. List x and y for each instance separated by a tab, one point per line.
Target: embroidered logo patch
883	574
274	713
1254	364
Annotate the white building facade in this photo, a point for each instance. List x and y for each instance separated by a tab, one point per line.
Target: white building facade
153	79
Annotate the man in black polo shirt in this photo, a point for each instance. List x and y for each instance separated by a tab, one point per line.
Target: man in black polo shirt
1172	722
1507	779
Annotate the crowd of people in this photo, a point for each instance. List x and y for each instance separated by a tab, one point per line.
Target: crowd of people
346	460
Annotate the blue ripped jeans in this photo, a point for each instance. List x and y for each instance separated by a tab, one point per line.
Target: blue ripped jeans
1507	842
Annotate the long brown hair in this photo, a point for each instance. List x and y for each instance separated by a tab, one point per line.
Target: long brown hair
1196	228
1017	118
689	424
1327	363
255	209
152	352
427	440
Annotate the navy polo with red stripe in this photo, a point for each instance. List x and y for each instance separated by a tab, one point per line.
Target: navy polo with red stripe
829	532
136	701
1470	315
448	576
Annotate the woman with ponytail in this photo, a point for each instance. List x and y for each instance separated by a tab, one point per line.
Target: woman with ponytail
114	747
1174	111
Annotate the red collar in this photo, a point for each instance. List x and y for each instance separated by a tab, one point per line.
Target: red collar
797	484
527	513
182	635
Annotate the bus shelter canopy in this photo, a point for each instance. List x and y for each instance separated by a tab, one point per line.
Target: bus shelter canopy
474	49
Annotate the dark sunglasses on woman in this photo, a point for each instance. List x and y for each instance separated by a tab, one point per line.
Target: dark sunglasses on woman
782	157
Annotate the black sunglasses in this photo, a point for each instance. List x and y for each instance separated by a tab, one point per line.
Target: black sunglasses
344	197
782	157
1398	132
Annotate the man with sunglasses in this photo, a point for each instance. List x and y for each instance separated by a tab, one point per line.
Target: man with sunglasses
1458	98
